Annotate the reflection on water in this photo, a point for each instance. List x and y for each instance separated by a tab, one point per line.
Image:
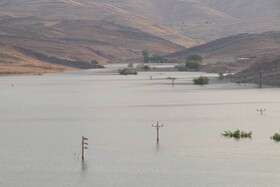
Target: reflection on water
84	165
158	147
44	117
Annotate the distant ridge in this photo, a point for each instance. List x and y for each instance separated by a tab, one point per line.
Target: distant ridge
237	46
113	31
58	61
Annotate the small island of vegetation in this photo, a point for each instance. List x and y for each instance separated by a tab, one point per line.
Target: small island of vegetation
146	68
276	137
201	80
193	63
237	134
127	71
154	58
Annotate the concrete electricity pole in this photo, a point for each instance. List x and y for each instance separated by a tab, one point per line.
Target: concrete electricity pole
261	79
261	111
173	80
157	126
84	146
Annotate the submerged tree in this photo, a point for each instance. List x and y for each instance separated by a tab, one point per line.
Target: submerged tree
237	134
194	62
201	80
276	137
146	56
156	58
194	57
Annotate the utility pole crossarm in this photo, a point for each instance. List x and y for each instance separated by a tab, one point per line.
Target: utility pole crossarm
261	111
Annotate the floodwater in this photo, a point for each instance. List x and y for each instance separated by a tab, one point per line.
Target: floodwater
42	120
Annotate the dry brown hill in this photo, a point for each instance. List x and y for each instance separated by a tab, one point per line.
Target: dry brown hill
81	39
90	10
12	62
84	30
268	66
246	55
118	30
207	20
246	16
232	48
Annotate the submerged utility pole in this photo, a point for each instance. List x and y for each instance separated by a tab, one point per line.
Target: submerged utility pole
230	75
261	79
84	146
157	126
261	111
172	79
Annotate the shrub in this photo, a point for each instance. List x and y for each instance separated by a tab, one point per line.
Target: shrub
146	68
194	57
127	72
95	62
201	80
146	56
156	58
130	65
276	137
237	134
181	67
193	65
194	62
221	75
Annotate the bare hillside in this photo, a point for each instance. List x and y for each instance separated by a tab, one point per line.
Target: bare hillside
93	11
245	54
232	48
84	30
13	61
247	16
81	39
207	20
118	30
268	66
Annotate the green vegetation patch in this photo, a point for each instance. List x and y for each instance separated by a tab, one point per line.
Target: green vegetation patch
194	62
193	65
146	56
126	71
181	67
155	58
276	137
201	80
237	134
146	68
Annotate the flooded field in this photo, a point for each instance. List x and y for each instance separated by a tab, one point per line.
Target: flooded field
42	120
